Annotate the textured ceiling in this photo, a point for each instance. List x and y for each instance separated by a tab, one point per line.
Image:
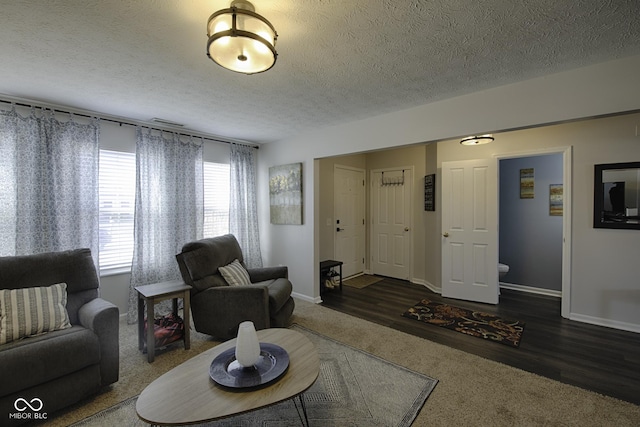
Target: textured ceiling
339	60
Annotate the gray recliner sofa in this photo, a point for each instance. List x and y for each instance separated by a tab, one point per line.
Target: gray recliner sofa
218	308
61	367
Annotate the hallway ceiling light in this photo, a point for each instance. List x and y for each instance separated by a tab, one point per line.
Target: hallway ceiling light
240	40
477	140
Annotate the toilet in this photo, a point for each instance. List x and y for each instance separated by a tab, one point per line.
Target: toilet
502	270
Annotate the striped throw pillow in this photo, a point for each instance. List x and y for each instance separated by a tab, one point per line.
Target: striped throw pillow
235	274
32	311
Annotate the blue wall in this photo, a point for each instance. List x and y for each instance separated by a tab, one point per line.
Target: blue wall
530	238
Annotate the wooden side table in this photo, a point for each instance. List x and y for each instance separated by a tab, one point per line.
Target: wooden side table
152	294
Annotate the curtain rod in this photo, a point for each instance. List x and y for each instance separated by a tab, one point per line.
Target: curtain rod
121	121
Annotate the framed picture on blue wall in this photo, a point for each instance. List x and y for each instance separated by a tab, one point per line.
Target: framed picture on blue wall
556	200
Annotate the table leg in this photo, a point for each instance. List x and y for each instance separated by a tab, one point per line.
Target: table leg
187	315
151	339
140	323
305	420
174	304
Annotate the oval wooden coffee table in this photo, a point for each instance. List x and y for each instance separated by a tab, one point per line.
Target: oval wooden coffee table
187	394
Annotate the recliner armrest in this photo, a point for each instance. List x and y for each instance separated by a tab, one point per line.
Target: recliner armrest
268	273
102	317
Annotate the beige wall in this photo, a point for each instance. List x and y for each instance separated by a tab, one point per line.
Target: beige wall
600	89
604	269
432	253
601	284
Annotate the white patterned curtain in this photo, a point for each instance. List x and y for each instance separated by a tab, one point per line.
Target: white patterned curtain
243	206
169	208
48	184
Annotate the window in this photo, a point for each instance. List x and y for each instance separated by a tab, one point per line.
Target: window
216	199
117	186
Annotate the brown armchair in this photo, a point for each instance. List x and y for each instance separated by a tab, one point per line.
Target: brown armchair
218	308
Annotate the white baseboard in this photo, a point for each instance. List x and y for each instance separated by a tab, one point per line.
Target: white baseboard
624	326
531	289
521	288
316	300
598	321
428	285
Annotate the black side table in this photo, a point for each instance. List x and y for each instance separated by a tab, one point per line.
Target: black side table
327	268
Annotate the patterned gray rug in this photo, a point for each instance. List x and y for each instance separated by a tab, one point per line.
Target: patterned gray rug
354	388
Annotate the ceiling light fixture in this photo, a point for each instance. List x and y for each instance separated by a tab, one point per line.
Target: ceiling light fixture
477	140
240	40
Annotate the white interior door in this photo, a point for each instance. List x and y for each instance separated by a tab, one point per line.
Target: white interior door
470	230
391	223
349	219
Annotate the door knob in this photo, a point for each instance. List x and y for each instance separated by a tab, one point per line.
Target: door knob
406	229
339	229
445	234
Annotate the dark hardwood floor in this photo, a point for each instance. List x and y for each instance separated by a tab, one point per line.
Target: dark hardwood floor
596	358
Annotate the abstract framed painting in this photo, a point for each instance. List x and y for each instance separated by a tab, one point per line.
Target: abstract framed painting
285	194
526	184
556	200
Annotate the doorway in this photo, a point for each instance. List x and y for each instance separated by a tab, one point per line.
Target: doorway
530	228
567	173
484	267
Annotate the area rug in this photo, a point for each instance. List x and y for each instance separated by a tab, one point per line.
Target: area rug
474	323
354	388
362	281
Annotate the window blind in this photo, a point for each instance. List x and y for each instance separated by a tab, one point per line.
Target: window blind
117	185
216	199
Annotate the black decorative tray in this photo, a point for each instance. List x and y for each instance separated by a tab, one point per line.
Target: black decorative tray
272	364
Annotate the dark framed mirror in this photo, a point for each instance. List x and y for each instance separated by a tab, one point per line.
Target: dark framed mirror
616	196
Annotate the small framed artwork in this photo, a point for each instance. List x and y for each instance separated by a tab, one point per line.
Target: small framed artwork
526	183
430	192
556	200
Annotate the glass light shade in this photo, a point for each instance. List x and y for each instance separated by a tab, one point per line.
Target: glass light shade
241	40
247	345
477	140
